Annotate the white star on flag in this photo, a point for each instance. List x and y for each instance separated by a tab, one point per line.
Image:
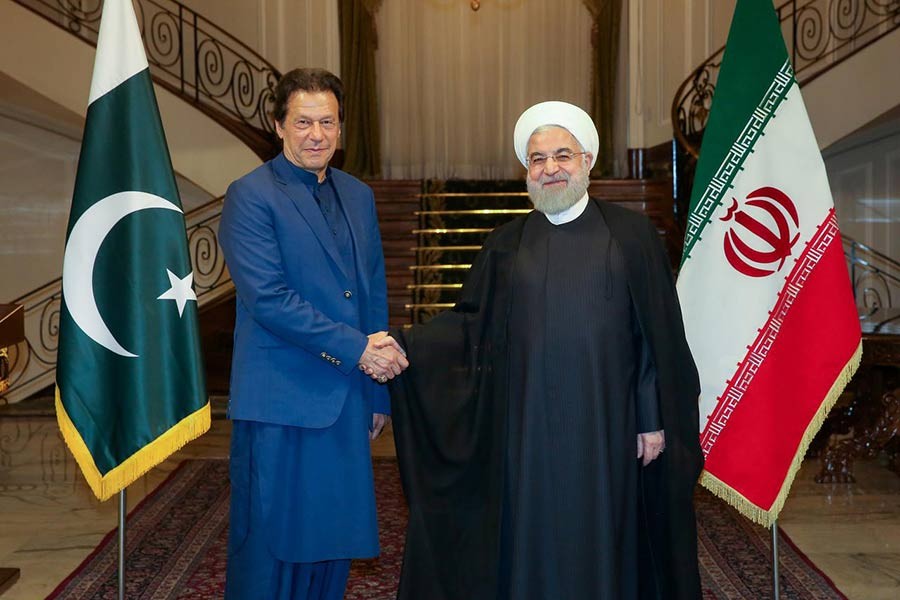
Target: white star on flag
181	291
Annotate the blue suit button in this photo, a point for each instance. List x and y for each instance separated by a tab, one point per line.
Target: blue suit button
348	294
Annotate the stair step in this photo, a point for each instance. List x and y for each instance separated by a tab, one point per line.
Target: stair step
434	286
431	305
474	195
476	211
439	267
446	248
443	231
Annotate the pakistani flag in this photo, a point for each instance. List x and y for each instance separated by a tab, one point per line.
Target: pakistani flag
130	387
766	296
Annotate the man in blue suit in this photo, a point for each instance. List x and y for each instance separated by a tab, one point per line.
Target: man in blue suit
301	241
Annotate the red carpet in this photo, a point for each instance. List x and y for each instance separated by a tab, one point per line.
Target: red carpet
177	539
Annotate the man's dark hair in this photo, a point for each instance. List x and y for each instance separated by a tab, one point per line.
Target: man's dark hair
307	80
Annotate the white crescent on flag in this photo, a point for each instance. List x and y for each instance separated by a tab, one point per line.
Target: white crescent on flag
82	248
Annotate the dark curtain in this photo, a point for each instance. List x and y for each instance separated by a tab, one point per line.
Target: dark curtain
607	15
359	40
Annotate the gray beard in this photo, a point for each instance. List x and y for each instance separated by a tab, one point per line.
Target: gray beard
551	201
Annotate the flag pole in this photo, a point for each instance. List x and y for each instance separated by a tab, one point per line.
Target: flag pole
122	509
775	590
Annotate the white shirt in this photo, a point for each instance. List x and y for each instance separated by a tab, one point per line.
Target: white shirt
571	213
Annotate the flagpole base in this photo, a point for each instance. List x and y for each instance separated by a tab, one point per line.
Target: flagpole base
122	510
775	580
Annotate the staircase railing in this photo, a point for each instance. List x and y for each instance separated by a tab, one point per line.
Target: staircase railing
210	69
33	362
875	276
820	34
193	58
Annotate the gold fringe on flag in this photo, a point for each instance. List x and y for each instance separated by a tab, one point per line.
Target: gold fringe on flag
767	517
106	486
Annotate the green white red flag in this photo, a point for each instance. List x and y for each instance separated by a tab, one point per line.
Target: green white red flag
766	296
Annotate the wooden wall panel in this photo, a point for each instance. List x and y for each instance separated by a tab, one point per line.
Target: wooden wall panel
652	197
397	203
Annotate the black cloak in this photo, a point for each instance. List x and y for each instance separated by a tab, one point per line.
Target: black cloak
450	406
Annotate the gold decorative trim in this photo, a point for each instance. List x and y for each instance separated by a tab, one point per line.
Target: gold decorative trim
107	485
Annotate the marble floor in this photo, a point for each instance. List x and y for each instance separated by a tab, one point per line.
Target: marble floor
50	521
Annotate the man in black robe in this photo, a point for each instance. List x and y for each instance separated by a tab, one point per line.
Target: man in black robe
547	427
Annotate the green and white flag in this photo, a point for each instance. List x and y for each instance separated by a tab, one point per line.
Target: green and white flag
130	384
765	293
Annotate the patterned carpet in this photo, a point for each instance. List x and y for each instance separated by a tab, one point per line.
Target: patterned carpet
177	537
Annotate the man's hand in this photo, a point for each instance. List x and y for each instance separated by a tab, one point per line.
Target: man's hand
383	340
650	445
379	422
383	358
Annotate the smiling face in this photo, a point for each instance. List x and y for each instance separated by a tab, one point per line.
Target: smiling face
553	186
310	130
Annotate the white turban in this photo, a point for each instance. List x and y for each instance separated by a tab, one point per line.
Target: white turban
562	114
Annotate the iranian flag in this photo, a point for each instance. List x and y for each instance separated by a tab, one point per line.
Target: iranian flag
130	384
766	296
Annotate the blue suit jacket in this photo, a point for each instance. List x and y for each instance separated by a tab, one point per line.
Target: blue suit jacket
301	321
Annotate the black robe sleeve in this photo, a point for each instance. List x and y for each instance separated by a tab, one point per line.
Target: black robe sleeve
646	394
669	539
448	428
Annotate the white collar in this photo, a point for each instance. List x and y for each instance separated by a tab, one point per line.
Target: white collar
571	213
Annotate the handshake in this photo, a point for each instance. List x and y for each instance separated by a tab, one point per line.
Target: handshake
383	358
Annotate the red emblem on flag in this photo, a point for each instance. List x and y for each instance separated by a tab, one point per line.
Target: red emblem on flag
775	236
